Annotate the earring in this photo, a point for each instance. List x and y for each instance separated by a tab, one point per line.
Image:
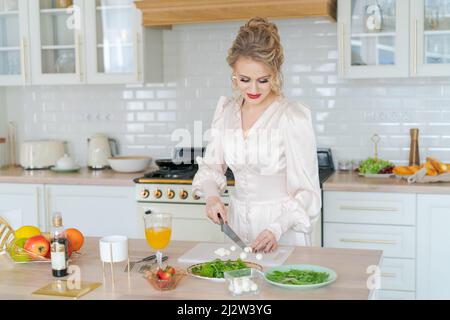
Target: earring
234	85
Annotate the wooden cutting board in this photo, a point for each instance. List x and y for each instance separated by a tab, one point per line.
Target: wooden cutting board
204	252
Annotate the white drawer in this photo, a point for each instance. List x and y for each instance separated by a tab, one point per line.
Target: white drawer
394	295
369	207
395	241
398	274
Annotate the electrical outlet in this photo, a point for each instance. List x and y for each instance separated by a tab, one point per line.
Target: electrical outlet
390	116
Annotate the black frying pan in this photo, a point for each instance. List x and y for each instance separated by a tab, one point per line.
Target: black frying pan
169	164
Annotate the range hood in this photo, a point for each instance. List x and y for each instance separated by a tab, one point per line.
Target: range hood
172	12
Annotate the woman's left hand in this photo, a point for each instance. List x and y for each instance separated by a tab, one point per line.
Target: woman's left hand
265	242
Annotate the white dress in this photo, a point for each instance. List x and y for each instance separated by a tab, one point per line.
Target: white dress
275	168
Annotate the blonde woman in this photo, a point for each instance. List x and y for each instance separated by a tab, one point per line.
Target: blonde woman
269	144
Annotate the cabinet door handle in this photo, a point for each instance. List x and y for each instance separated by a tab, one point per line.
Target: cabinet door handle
415	60
342	53
47	206
23	63
79	71
388	275
375	241
137	56
368	208
38	206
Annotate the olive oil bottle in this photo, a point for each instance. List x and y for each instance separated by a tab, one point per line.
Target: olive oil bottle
59	247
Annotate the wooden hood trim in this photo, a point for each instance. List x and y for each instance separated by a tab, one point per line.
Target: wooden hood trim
172	12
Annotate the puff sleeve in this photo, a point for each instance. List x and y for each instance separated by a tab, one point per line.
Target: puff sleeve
210	178
303	207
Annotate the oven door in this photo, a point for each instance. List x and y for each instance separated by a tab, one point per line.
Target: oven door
189	221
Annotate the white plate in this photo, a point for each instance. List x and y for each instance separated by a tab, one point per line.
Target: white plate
65	170
332	275
249	265
376	175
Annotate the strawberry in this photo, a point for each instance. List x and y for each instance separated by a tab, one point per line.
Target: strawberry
170	270
164	275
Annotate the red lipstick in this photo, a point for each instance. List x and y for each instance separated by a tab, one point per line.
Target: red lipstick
253	96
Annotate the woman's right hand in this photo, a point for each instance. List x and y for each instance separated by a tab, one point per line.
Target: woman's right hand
214	206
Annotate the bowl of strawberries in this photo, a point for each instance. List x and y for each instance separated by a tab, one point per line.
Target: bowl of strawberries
164	278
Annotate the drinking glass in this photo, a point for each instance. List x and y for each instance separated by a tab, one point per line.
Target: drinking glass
158	230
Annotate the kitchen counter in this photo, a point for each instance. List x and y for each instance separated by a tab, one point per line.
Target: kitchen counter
83	177
22	279
350	181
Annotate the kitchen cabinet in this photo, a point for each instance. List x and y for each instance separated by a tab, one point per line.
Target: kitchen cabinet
78	42
373	38
14	50
393	38
433	254
430	38
359	220
96	210
115	47
56	34
22	204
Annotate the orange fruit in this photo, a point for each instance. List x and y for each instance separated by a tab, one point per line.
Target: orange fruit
76	238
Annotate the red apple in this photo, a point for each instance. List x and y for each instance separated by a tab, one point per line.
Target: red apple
38	246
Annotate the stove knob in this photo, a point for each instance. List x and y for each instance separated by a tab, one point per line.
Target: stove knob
145	193
158	193
183	194
170	193
196	197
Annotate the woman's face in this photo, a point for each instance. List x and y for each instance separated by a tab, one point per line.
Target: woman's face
253	80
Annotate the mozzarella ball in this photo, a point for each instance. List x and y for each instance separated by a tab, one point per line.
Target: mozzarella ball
233	248
248	249
243	255
259	256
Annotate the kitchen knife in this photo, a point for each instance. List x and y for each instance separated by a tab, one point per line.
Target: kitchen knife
225	228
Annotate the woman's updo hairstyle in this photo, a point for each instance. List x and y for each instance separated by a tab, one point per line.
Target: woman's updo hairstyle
259	40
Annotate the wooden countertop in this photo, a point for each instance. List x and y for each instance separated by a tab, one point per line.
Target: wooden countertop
21	280
83	177
350	181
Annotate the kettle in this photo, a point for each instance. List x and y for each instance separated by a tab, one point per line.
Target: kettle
99	150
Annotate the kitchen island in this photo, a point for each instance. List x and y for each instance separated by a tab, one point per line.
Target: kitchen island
19	281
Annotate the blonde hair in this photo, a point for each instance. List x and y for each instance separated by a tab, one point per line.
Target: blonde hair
259	40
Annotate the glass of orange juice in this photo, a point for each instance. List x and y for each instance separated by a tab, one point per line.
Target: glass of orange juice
158	229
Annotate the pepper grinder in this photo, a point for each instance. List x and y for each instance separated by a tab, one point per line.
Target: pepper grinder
414	159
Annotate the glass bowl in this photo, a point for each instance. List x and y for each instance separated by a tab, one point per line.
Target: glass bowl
162	285
244	281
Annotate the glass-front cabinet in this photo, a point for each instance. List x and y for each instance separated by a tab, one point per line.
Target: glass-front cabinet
114	49
14	46
56	30
430	38
373	38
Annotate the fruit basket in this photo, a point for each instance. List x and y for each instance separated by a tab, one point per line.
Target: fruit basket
163	284
19	251
14	247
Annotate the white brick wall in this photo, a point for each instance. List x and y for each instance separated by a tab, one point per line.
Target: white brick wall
346	112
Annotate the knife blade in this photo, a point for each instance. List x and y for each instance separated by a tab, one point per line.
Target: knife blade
225	228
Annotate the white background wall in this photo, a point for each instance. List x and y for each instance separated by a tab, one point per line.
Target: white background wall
346	113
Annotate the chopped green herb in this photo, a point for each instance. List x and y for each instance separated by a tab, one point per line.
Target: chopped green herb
216	268
298	277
